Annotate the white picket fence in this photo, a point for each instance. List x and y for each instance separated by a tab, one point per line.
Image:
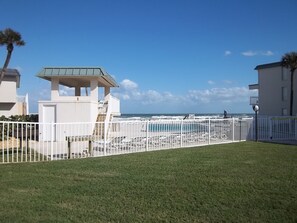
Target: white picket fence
33	142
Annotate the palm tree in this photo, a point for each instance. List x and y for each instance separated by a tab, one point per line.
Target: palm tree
9	38
289	60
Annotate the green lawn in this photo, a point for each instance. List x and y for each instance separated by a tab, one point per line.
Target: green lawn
240	182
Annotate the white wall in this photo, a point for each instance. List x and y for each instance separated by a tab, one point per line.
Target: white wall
269	91
271	83
8	92
71	111
8	109
8	98
68	112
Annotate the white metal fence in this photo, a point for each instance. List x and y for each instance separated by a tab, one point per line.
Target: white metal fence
276	128
32	142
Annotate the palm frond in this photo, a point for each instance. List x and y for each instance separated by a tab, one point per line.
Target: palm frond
9	36
289	60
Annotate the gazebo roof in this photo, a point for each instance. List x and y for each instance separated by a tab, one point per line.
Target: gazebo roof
77	76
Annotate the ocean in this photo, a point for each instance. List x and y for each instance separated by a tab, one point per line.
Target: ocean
180	116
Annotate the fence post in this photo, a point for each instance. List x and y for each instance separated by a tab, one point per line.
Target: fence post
295	124
181	133
2	137
270	127
233	129
104	134
147	131
69	147
90	148
52	140
208	131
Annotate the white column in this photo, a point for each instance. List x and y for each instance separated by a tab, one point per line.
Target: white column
106	91
54	89
77	91
94	90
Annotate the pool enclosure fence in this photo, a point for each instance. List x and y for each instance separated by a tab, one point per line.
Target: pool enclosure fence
33	142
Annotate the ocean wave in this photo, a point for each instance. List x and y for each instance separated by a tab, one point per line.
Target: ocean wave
145	117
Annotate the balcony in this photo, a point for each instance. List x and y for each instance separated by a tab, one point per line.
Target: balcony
254	100
254	87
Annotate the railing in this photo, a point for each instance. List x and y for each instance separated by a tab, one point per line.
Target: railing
25	142
279	128
113	104
110	104
33	142
254	100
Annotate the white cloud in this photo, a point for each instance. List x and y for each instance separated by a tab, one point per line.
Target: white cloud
249	53
227	81
267	53
211	82
125	96
129	91
128	84
152	96
65	91
228	52
224	95
153	99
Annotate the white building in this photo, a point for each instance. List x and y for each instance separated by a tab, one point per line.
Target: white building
10	102
274	90
78	107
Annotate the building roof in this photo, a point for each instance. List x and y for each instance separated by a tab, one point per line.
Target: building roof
12	74
254	87
71	76
268	65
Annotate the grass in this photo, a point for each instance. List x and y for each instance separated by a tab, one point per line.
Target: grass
12	155
240	182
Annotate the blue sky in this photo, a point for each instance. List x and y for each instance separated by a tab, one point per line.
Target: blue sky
168	56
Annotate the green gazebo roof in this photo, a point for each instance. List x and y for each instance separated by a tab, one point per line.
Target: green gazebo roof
77	76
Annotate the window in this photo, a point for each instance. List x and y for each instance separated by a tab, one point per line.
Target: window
285	74
284	93
284	111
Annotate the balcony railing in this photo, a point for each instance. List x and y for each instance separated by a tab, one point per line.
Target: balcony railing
254	100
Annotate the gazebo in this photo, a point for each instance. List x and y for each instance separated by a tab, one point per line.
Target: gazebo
78	107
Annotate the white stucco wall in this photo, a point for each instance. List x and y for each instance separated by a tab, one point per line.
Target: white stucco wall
8	109
68	112
8	98
8	92
72	111
271	83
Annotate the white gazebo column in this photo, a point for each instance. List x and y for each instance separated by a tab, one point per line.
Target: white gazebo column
54	88
94	90
106	91
77	91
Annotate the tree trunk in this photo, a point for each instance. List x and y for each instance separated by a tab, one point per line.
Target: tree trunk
9	52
